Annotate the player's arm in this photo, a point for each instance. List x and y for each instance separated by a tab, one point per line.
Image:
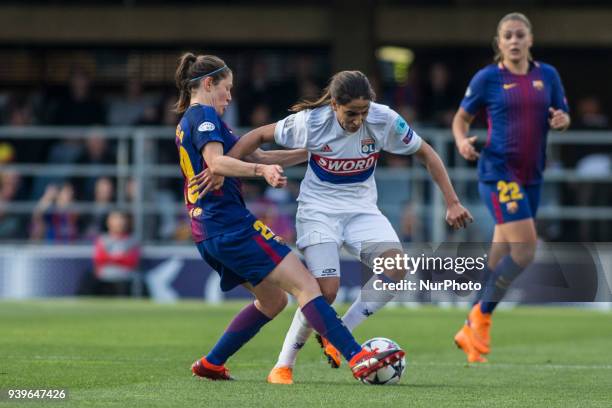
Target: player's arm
558	118
252	140
456	215
461	127
285	158
248	144
248	148
226	166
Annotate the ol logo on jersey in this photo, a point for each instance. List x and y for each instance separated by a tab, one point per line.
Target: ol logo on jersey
368	145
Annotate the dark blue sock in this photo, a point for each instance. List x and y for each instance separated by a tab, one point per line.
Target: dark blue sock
243	327
505	272
486	275
323	318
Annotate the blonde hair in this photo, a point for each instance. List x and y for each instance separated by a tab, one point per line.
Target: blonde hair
509	17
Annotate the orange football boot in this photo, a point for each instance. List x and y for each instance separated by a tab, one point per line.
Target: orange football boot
480	323
281	375
333	355
464	340
204	369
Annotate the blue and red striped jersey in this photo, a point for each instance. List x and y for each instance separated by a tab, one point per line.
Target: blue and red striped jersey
218	211
517	115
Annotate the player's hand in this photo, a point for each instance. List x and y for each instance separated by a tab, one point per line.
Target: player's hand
558	120
457	216
467	150
273	173
204	182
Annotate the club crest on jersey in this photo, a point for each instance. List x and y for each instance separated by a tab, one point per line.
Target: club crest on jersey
368	145
538	84
326	149
206	127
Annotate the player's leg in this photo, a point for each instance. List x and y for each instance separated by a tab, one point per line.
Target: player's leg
362	308
293	277
323	262
329	288
465	338
522	239
270	300
514	244
519	233
499	249
370	236
319	236
248	255
373	229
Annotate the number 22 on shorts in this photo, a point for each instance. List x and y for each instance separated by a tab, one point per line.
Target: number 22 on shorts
263	229
509	191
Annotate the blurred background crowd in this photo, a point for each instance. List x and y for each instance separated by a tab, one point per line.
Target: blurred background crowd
104	86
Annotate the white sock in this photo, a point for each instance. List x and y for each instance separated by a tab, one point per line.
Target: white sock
361	310
294	340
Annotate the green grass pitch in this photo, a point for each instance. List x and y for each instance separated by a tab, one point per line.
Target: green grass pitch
110	353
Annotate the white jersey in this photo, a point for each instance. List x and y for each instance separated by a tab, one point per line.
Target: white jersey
340	175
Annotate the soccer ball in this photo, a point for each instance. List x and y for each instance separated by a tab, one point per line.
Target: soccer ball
390	374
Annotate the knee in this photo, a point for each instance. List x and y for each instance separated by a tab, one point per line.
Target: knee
523	254
308	290
329	288
273	305
279	303
396	274
329	294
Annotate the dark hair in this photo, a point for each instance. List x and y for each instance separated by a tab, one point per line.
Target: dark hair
191	70
343	88
508	17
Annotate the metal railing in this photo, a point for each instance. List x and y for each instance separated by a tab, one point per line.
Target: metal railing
137	147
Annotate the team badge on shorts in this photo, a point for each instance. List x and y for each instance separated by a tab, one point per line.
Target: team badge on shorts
368	145
512	207
195	212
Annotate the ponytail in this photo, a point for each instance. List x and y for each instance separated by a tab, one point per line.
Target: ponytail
182	81
191	71
324	99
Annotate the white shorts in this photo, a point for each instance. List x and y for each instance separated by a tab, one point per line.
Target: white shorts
363	235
